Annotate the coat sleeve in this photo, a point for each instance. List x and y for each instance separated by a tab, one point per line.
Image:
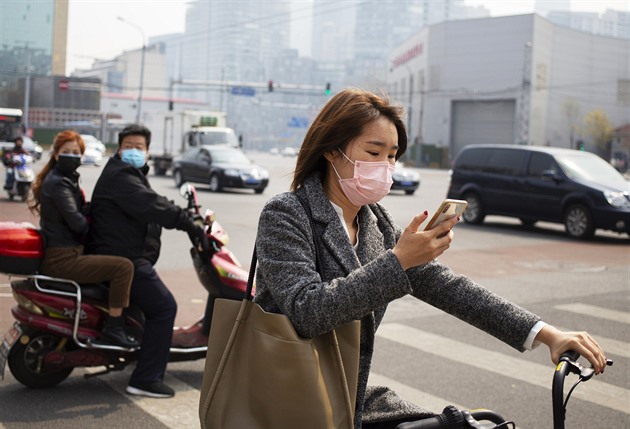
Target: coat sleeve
288	282
139	201
437	285
63	197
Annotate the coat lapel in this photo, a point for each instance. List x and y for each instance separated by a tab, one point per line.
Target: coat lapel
371	242
334	236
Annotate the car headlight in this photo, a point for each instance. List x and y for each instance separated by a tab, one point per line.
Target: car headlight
617	199
262	173
406	175
232	172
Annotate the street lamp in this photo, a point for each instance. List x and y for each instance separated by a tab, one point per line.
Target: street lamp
144	48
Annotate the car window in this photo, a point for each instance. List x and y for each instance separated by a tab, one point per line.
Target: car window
506	161
204	156
590	167
230	156
473	159
217	137
541	162
191	154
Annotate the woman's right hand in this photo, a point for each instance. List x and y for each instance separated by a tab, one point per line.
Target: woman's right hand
420	247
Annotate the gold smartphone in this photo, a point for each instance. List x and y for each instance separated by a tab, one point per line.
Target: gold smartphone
447	210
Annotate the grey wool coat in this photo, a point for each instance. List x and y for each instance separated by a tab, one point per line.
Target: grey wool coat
358	285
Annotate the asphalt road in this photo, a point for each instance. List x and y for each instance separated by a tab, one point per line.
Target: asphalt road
425	355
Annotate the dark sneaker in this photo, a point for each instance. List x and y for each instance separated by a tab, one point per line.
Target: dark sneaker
118	336
152	390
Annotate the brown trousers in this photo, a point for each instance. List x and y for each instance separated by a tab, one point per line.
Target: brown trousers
70	263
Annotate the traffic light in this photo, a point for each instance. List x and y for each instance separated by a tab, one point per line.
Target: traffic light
270	85
327	88
581	145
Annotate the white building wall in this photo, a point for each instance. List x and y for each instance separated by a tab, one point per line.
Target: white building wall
154	72
480	59
587	69
484	59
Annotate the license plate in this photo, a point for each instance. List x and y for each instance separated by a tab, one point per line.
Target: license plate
406	183
10	337
252	181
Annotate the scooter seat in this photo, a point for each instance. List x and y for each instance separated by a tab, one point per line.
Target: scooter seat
97	291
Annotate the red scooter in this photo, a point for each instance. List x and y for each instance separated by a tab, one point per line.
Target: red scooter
58	322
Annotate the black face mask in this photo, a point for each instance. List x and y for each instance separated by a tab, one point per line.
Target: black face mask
67	163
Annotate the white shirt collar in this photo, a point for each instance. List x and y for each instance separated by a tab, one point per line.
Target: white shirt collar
339	211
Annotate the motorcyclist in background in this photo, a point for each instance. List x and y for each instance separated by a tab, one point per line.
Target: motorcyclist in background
7	160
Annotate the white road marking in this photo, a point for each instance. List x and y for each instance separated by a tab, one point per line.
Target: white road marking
598	312
179	412
594	391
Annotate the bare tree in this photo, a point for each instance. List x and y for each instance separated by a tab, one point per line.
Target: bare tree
599	128
572	113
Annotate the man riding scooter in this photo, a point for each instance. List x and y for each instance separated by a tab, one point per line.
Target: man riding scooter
7	159
127	217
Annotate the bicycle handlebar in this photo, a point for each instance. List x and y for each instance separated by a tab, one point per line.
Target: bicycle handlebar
452	418
567	364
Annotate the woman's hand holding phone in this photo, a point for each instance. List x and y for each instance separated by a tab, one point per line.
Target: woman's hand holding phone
420	247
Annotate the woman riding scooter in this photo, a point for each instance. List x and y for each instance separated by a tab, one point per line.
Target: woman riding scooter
61	204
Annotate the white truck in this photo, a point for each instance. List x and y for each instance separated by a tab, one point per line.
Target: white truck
174	132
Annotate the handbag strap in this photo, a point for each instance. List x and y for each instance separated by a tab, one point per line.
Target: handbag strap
333	334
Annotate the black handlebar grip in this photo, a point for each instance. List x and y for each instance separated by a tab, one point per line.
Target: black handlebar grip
451	418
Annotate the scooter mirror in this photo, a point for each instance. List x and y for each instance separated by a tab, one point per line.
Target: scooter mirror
185	190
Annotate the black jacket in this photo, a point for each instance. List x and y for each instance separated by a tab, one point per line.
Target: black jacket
61	220
127	215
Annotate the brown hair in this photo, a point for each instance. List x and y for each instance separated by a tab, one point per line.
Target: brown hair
340	121
60	139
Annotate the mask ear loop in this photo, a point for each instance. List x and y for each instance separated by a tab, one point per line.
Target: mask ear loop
346	156
333	165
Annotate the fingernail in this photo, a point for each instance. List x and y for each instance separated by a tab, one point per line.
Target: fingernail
426	213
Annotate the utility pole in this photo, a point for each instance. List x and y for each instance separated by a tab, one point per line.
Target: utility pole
524	97
27	90
27	85
144	49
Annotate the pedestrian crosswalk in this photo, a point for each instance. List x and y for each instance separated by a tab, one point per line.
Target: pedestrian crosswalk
595	311
181	412
596	392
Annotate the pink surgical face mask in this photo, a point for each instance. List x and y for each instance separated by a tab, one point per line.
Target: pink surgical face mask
370	183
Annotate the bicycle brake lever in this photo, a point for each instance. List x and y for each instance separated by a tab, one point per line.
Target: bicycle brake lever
585	373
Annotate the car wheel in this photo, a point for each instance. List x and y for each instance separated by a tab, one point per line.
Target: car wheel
578	222
474	213
528	222
215	183
259	190
179	178
410	191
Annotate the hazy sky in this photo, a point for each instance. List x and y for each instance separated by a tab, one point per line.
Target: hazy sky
94	31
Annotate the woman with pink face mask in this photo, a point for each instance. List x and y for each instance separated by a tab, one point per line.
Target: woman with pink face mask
343	170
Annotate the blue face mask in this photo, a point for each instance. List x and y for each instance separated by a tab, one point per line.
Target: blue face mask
133	157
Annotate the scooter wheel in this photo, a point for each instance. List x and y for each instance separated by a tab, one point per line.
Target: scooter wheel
26	361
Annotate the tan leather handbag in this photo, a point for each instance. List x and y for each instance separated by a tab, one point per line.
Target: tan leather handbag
260	374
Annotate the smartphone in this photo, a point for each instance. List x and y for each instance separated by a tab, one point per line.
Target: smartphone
447	210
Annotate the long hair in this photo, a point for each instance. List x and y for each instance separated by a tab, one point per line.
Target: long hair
342	120
60	139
